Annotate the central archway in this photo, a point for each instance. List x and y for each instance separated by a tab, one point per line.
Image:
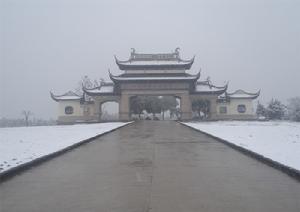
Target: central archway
155	107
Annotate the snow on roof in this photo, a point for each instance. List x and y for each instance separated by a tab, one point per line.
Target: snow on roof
68	98
70	95
154	62
153	78
205	86
104	88
241	94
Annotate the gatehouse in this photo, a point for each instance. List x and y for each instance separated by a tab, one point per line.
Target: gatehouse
161	74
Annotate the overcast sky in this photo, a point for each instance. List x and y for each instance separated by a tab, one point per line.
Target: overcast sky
50	44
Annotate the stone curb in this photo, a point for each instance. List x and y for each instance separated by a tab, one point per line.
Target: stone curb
6	175
294	173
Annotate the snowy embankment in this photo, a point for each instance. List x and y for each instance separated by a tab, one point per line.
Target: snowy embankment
278	141
20	145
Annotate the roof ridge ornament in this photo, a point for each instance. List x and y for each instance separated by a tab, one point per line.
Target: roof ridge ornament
208	81
176	53
132	54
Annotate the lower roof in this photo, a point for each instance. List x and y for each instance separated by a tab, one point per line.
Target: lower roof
103	89
241	94
154	77
205	87
70	95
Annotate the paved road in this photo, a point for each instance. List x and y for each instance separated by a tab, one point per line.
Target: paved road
151	167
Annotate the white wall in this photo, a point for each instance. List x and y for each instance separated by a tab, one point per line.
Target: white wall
233	104
77	109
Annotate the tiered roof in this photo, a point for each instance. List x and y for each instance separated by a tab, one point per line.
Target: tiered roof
164	67
141	68
162	61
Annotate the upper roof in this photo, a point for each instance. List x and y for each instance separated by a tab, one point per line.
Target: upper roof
161	61
70	95
241	94
106	88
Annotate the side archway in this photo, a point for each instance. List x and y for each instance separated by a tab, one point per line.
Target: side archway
109	111
201	109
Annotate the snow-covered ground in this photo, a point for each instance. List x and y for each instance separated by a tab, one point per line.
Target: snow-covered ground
279	141
20	145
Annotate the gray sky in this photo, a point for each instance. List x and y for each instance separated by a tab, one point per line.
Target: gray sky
50	44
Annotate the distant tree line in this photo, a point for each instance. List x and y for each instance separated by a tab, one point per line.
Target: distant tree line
275	110
20	122
26	120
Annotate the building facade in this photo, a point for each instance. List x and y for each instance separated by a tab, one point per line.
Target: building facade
164	74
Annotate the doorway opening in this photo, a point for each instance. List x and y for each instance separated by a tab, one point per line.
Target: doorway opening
152	107
109	111
200	109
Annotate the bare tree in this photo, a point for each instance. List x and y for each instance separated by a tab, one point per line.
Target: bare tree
27	114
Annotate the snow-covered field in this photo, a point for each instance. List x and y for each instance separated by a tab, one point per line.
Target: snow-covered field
279	141
20	145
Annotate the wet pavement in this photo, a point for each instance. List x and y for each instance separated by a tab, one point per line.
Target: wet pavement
151	166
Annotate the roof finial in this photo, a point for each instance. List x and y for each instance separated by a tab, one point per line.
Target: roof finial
208	79
132	54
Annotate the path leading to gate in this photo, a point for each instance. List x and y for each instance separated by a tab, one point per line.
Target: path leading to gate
151	166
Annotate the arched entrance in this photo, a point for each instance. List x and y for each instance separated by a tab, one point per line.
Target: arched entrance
201	109
154	107
109	111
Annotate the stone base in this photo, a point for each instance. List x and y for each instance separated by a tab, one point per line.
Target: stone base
124	116
235	117
186	116
76	119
